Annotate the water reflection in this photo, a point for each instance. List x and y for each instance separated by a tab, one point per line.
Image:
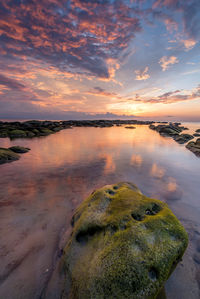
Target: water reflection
136	160
156	171
39	193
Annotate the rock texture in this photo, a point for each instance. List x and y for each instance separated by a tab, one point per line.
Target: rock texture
171	130
194	147
19	149
11	154
7	155
183	138
123	245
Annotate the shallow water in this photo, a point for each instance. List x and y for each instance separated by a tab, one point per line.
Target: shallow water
39	193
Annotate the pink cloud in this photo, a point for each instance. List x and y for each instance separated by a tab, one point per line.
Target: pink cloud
142	74
165	62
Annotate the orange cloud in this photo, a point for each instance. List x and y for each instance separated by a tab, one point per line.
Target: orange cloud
189	43
165	62
142	75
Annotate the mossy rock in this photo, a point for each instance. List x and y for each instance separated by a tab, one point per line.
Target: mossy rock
3	134
19	149
123	245
36	131
17	134
45	132
57	129
30	134
7	155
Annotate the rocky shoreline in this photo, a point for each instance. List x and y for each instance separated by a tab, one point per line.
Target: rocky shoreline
174	130
36	128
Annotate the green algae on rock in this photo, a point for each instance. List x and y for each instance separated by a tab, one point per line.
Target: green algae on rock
7	155
17	134
123	245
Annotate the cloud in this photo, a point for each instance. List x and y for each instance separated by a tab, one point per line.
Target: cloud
165	62
142	75
74	35
11	83
189	11
189	43
168	97
98	91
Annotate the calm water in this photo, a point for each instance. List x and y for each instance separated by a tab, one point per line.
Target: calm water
39	193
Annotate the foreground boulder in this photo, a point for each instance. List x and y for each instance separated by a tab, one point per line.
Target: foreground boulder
123	245
194	147
7	155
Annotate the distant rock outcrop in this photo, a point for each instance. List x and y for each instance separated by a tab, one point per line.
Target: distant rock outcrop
123	245
36	128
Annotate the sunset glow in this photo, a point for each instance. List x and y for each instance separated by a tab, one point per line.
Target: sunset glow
100	59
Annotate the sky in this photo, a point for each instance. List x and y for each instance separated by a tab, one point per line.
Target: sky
84	59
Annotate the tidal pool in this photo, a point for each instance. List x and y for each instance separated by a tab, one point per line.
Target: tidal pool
39	193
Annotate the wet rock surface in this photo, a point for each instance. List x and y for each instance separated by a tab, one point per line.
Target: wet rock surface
19	149
7	155
194	147
11	154
36	128
170	130
123	245
183	138
173	130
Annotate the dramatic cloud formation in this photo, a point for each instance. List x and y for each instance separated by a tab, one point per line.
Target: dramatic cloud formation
71	58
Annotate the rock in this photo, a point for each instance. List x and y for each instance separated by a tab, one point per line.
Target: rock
166	130
3	134
36	132
19	149
7	155
194	147
30	134
123	245
183	138
45	132
196	134
36	128
152	127
130	127
197	131
17	134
